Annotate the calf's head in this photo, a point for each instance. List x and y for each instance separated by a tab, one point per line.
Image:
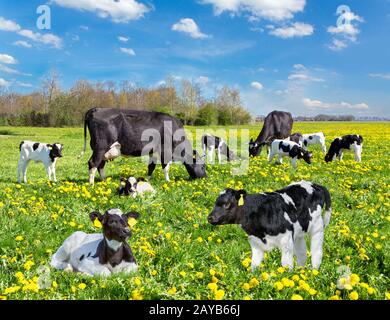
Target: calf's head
115	223
254	148
305	155
228	208
56	150
128	187
197	167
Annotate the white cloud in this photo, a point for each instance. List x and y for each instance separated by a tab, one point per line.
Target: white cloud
123	39
297	29
8	70
202	80
47	38
190	27
338	45
341	106
21	43
257	85
85	28
346	31
7	59
128	51
268	9
121	11
385	76
4	83
299	66
303	77
8	25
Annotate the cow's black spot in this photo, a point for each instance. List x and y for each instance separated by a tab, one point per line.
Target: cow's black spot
82	257
311	138
89	254
35	146
20	146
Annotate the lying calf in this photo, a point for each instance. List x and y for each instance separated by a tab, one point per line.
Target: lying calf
99	254
278	219
134	187
352	143
212	144
284	148
314	138
39	152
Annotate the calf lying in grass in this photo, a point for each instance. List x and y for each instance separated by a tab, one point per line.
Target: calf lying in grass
278	219
99	254
134	187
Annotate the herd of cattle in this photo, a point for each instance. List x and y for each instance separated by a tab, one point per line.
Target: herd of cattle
277	219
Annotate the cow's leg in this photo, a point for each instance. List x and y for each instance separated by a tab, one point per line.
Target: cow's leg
341	156
93	164
280	159
20	166
101	170
271	156
300	250
323	146
92	267
211	153
23	169
287	248
294	162
48	171
316	241
152	165
166	169
53	171
257	252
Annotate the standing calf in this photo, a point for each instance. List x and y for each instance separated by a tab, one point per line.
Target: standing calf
278	219
352	143
314	138
212	144
39	152
99	254
284	148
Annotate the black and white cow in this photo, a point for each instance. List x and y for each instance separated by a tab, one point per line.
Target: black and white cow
314	138
39	152
297	138
278	219
99	254
125	132
352	143
284	148
134	187
212	143
277	125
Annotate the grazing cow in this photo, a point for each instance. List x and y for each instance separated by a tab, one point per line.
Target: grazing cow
116	132
134	187
284	148
99	254
278	219
352	143
277	124
212	143
39	152
314	138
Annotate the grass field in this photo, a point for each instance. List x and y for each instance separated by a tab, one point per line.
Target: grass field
180	255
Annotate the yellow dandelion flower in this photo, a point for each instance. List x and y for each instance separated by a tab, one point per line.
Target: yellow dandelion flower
296	297
19	238
172	291
246	286
199	275
27	266
212	286
219	294
278	286
353	295
82	286
254	282
335	297
265	276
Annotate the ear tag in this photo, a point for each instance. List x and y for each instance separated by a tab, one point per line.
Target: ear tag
131	222
241	201
97	224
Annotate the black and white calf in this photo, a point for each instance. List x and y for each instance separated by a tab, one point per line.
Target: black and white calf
212	143
278	219
352	143
99	254
314	138
39	152
296	137
285	148
134	187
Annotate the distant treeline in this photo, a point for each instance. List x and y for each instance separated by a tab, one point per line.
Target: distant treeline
54	107
320	117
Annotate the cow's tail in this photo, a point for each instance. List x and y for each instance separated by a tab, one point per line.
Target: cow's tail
85	137
328	207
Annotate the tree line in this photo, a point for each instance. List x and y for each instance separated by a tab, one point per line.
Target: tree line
52	106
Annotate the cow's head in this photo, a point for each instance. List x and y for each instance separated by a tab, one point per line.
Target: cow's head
115	223
197	167
128	187
228	207
254	148
328	157
334	147
304	154
56	150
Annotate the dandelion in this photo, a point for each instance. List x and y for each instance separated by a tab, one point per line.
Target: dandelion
296	297
265	276
137	281
199	275
27	266
82	286
172	291
278	286
136	295
11	290
254	282
246	286
353	295
246	262
19	238
335	297
212	286
183	273
281	270
219	294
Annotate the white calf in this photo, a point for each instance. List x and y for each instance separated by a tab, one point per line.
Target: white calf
39	152
314	138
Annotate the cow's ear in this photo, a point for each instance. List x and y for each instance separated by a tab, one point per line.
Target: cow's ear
240	193
251	140
133	214
95	215
141	179
50	146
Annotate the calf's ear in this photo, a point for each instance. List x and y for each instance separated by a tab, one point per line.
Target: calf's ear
240	193
133	214
95	215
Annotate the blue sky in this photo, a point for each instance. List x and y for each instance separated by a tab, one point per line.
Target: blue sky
283	54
